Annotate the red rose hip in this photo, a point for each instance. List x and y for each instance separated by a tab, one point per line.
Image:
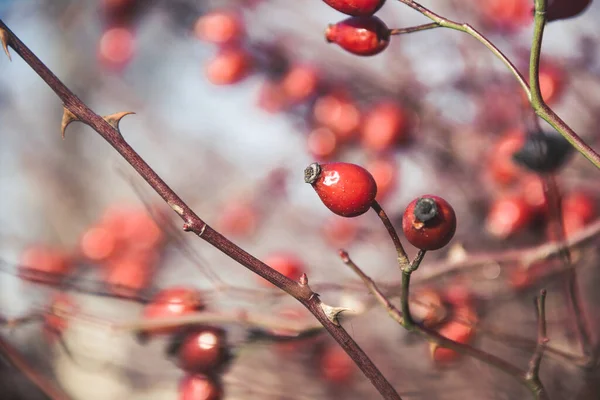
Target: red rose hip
346	189
429	222
356	8
363	36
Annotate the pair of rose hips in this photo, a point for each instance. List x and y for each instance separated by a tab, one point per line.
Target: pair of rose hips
349	190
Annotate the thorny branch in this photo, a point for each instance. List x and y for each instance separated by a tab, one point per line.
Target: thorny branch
75	109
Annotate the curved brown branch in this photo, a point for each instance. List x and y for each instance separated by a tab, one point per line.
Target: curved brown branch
192	222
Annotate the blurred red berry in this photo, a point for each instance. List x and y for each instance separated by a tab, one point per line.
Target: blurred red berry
300	82
508	215
508	14
199	387
384	127
385	173
532	188
578	210
229	66
503	170
322	143
429	222
238	218
339	232
271	97
356	8
130	273
62	306
286	263
346	189
552	82
338	112
44	264
335	365
363	36
458	330
98	243
173	302
116	48
220	27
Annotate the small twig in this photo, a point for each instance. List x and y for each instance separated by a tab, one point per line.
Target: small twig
433	336
463	27
16	359
370	284
411	29
533	372
403	260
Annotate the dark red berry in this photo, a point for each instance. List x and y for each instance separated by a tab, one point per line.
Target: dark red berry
202	350
562	9
346	189
363	36
429	222
356	8
199	387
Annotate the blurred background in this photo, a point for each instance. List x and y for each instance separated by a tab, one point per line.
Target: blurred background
232	100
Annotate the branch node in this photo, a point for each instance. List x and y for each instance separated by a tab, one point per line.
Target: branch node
67	118
332	313
4	38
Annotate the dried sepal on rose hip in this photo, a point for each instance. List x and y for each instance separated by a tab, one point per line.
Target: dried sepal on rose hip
429	222
363	36
346	189
356	8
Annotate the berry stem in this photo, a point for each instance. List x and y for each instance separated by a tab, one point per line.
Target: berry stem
403	260
463	27
192	222
517	373
535	96
417	28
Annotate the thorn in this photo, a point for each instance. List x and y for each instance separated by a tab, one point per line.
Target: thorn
303	280
115	119
333	313
4	41
67	118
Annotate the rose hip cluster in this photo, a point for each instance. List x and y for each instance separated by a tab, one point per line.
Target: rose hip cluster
349	190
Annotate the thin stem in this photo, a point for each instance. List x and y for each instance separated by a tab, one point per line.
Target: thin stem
434	336
409	323
414	265
533	373
403	260
463	27
537	101
370	284
192	222
16	359
411	29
